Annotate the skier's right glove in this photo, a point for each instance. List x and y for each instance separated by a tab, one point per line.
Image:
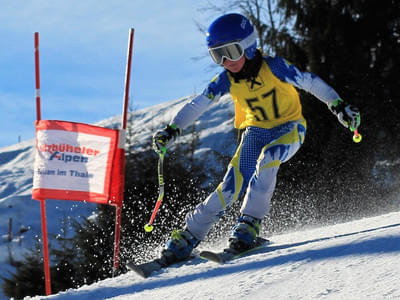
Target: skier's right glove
163	136
347	114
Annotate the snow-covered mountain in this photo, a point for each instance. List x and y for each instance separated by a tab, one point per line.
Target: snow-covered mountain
358	260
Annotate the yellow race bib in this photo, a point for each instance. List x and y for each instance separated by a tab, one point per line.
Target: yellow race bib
265	102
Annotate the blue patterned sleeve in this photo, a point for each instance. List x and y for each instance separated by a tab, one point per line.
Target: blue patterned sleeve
193	109
304	80
218	86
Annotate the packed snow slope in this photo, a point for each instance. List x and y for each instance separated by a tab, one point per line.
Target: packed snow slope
355	260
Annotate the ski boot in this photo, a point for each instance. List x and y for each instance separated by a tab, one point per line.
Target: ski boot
244	234
179	246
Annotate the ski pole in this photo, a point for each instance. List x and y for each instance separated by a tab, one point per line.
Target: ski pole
149	227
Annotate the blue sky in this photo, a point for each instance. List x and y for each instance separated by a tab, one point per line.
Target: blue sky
83	47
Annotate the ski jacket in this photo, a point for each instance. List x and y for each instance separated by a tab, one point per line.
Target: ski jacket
266	99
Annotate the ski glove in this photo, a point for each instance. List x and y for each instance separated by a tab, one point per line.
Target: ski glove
163	136
347	114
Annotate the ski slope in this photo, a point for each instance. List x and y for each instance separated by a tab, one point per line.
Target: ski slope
355	260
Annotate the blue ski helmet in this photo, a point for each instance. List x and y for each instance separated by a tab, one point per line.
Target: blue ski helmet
233	28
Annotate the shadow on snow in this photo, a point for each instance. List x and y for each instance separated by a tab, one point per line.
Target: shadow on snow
388	244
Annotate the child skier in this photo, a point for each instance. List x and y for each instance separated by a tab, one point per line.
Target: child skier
267	107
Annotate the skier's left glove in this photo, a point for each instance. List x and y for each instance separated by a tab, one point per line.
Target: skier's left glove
347	114
162	137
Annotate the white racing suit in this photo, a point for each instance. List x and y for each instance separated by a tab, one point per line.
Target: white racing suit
268	108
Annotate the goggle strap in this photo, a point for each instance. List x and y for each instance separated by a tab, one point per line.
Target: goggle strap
250	40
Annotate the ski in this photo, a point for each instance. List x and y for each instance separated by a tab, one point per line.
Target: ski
146	269
227	254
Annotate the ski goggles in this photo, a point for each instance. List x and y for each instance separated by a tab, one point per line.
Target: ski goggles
232	51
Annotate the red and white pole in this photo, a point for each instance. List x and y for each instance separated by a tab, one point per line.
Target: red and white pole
37	77
127	78
118	208
42	201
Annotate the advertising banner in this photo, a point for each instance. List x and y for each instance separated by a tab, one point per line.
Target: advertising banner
75	161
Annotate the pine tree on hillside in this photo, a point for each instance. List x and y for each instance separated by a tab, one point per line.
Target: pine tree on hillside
93	244
354	47
29	278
